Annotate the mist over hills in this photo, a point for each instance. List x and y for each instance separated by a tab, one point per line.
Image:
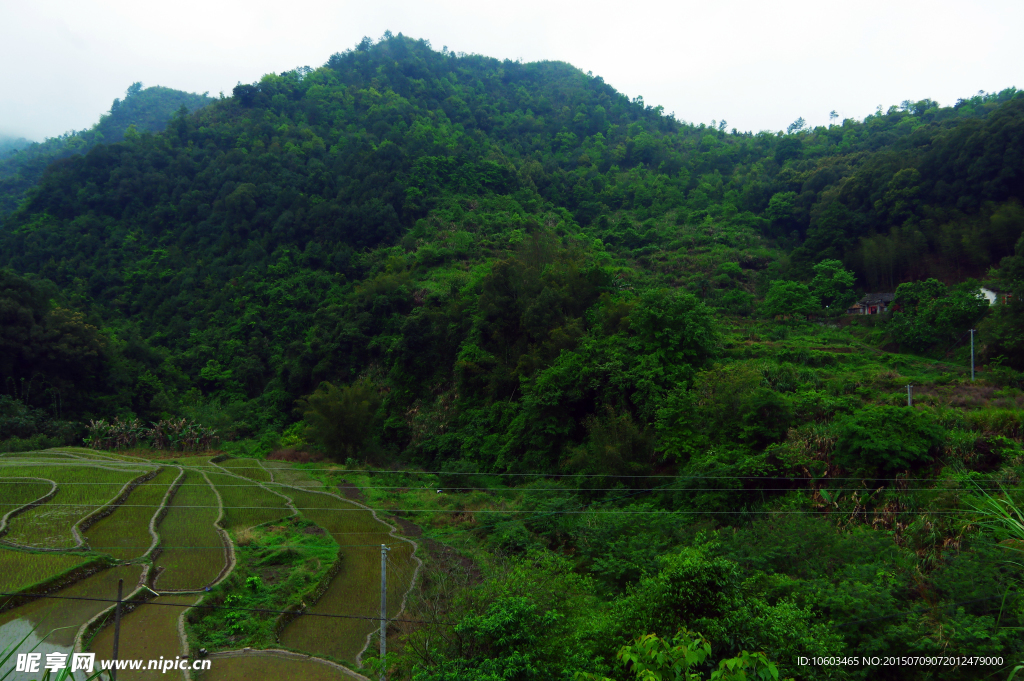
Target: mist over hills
147	109
9	144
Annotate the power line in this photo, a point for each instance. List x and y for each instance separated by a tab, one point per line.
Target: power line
503	511
573	489
302	613
219	548
305	613
214	467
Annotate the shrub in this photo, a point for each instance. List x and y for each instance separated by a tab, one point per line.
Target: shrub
789	300
887	439
1006	422
29	444
181	434
616	446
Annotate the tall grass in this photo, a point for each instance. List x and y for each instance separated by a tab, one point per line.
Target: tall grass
1001	515
1006	422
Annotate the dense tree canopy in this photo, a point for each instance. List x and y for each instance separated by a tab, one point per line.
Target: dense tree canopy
22	163
492	230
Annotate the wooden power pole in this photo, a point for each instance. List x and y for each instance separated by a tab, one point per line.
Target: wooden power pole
117	628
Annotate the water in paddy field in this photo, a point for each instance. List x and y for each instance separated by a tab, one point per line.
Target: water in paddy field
193	552
61	619
355	590
148	632
269	666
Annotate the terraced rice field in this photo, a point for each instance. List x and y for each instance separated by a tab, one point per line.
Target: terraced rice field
21	569
192	550
124	534
192	554
64	617
247	504
270	666
81	490
356	588
148	632
247	468
56	622
16	492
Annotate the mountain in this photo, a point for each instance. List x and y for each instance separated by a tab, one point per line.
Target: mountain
147	109
628	330
291	233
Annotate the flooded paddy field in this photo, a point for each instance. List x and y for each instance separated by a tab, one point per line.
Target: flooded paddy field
271	665
355	590
124	534
22	569
81	490
286	474
56	621
246	503
247	468
148	632
191	550
17	492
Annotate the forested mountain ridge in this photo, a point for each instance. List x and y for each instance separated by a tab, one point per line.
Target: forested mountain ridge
302	194
420	259
147	109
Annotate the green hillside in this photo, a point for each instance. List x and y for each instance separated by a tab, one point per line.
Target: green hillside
417	259
22	163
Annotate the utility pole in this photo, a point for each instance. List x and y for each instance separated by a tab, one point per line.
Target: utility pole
383	611
910	395
972	354
117	628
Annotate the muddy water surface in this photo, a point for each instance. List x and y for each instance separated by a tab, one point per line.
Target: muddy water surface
355	591
270	666
62	617
147	633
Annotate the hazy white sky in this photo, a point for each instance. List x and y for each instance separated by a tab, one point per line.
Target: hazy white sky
759	64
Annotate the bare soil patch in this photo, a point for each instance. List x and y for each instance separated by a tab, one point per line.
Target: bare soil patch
351	492
270	575
407	528
437	553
